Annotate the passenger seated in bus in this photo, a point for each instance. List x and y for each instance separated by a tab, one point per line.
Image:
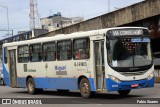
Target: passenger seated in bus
81	54
78	55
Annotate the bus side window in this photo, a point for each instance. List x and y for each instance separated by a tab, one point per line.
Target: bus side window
49	51
64	50
81	48
5	56
35	51
23	54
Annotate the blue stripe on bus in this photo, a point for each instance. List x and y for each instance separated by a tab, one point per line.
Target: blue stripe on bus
92	86
114	86
21	82
5	73
71	83
55	83
6	76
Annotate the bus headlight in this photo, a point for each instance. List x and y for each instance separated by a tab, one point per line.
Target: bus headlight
150	76
114	78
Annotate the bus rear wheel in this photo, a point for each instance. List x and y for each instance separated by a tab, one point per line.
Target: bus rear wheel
31	86
124	92
85	88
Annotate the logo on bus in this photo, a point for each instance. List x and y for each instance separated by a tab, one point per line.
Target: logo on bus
60	68
115	86
25	67
28	70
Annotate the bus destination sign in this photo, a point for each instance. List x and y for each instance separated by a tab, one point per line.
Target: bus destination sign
127	32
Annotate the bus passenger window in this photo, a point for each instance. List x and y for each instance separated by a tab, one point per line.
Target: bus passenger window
23	54
64	50
81	48
35	52
49	51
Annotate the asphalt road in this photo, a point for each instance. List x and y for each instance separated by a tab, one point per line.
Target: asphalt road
70	98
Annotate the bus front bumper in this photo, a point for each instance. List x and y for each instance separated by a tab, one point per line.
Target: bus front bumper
128	85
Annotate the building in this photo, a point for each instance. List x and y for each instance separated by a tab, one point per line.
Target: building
77	20
56	21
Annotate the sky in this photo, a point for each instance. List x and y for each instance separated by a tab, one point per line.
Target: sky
19	10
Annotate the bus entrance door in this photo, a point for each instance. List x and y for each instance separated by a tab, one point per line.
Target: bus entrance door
12	68
99	65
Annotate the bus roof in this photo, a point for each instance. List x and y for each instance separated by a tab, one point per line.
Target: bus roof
66	36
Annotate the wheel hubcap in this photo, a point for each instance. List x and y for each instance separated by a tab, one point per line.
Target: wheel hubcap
30	86
85	88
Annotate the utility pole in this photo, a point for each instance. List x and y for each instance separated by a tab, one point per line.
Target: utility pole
6	7
108	6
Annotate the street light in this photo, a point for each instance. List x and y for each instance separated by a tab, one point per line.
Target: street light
6	7
108	6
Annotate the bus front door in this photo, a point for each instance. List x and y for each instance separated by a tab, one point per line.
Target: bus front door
99	65
12	68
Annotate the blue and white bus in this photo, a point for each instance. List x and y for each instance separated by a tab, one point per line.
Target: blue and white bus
105	60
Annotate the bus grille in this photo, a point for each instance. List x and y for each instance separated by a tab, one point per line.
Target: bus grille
132	73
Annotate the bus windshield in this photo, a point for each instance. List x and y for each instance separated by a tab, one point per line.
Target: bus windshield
129	52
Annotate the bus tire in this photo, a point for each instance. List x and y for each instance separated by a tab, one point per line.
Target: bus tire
85	88
31	86
124	92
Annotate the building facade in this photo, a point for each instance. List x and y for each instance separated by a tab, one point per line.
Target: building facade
56	21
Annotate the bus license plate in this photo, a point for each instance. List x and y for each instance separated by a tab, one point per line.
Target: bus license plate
134	85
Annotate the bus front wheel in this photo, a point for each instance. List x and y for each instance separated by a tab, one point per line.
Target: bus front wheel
31	86
85	88
124	92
